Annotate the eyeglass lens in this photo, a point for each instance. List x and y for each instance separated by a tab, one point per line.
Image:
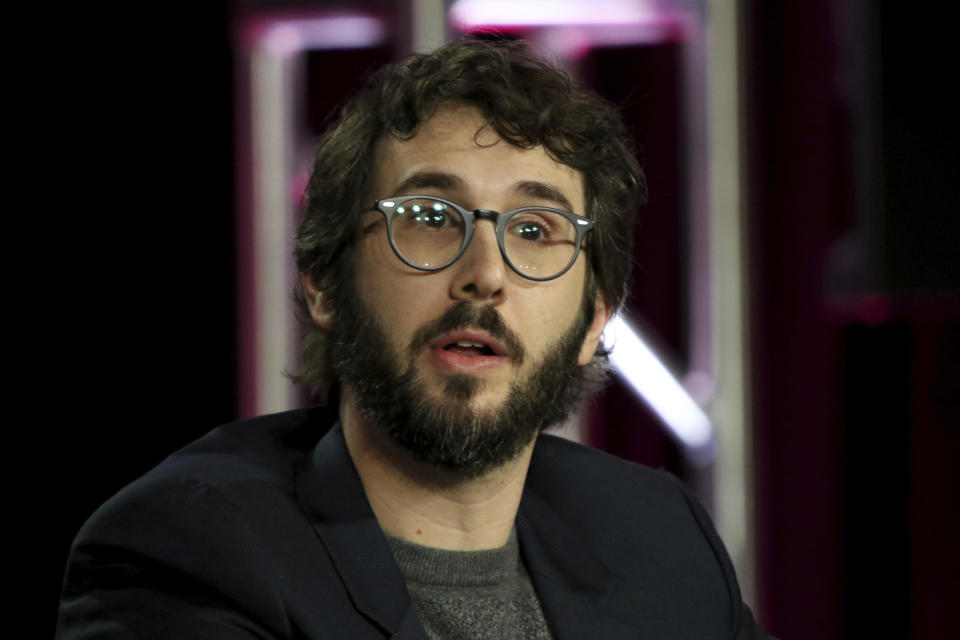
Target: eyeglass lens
429	233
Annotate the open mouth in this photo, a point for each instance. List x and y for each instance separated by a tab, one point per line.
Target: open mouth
469	348
469	351
471	344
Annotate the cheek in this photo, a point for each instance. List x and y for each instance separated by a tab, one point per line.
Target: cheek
400	297
374	255
551	312
377	271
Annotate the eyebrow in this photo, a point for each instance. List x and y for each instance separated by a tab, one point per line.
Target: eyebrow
450	182
543	191
430	180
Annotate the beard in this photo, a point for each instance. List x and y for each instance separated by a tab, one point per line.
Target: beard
445	432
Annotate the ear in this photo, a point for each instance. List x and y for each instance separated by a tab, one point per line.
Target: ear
602	312
321	310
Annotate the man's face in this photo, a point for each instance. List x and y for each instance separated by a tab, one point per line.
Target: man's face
474	347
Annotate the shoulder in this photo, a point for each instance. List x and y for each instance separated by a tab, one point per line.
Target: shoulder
233	464
644	525
264	448
205	522
239	467
626	499
584	473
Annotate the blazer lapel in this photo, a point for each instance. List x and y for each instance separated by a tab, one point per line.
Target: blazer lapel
330	492
571	581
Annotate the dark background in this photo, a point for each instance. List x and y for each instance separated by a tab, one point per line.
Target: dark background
852	167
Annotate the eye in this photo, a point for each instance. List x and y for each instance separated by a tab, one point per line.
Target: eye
540	229
426	213
429	218
433	218
530	230
534	226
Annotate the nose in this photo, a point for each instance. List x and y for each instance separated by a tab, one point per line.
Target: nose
480	271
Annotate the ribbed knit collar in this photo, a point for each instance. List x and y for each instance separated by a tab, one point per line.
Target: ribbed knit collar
441	567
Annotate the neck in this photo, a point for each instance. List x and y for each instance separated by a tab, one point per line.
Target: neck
431	507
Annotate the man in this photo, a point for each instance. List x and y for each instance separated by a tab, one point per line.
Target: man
466	237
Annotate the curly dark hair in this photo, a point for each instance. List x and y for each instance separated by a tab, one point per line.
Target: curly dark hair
529	102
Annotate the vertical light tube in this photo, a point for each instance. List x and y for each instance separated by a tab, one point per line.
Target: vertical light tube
274	339
429	24
733	474
268	333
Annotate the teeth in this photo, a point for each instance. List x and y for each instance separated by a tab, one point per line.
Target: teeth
471	344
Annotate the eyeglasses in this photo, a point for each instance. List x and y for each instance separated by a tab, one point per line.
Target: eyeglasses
430	233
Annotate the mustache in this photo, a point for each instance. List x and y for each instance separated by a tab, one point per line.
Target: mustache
464	315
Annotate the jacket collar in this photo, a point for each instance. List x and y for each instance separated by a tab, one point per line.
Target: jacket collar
571	581
330	492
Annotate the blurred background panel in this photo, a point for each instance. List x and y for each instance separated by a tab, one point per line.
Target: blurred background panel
853	154
796	269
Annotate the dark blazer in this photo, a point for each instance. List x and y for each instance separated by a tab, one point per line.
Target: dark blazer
261	529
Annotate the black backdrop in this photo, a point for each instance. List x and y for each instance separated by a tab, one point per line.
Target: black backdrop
133	348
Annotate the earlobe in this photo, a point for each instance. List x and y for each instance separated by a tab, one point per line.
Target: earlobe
602	312
318	302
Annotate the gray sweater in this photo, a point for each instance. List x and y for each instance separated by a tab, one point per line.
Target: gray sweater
471	595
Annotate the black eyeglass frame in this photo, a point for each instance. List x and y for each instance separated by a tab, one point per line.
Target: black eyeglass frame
388	207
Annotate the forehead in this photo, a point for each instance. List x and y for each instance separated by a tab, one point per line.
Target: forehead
457	143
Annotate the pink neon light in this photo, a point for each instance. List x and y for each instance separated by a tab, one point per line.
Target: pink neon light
472	14
290	35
